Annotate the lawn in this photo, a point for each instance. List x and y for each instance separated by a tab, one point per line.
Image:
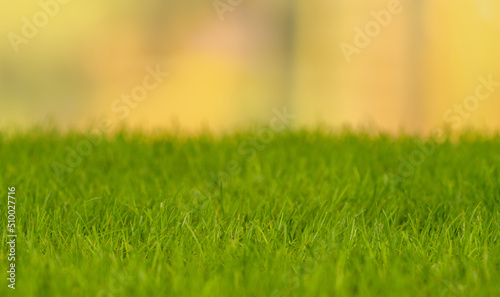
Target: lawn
304	213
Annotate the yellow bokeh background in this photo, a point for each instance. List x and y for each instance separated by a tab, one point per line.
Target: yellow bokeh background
230	70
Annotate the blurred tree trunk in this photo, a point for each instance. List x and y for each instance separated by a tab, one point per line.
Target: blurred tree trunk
290	36
416	105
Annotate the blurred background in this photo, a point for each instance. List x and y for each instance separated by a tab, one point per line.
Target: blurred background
384	64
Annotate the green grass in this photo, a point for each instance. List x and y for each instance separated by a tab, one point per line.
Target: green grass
312	214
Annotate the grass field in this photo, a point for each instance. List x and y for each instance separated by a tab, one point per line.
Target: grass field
302	214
